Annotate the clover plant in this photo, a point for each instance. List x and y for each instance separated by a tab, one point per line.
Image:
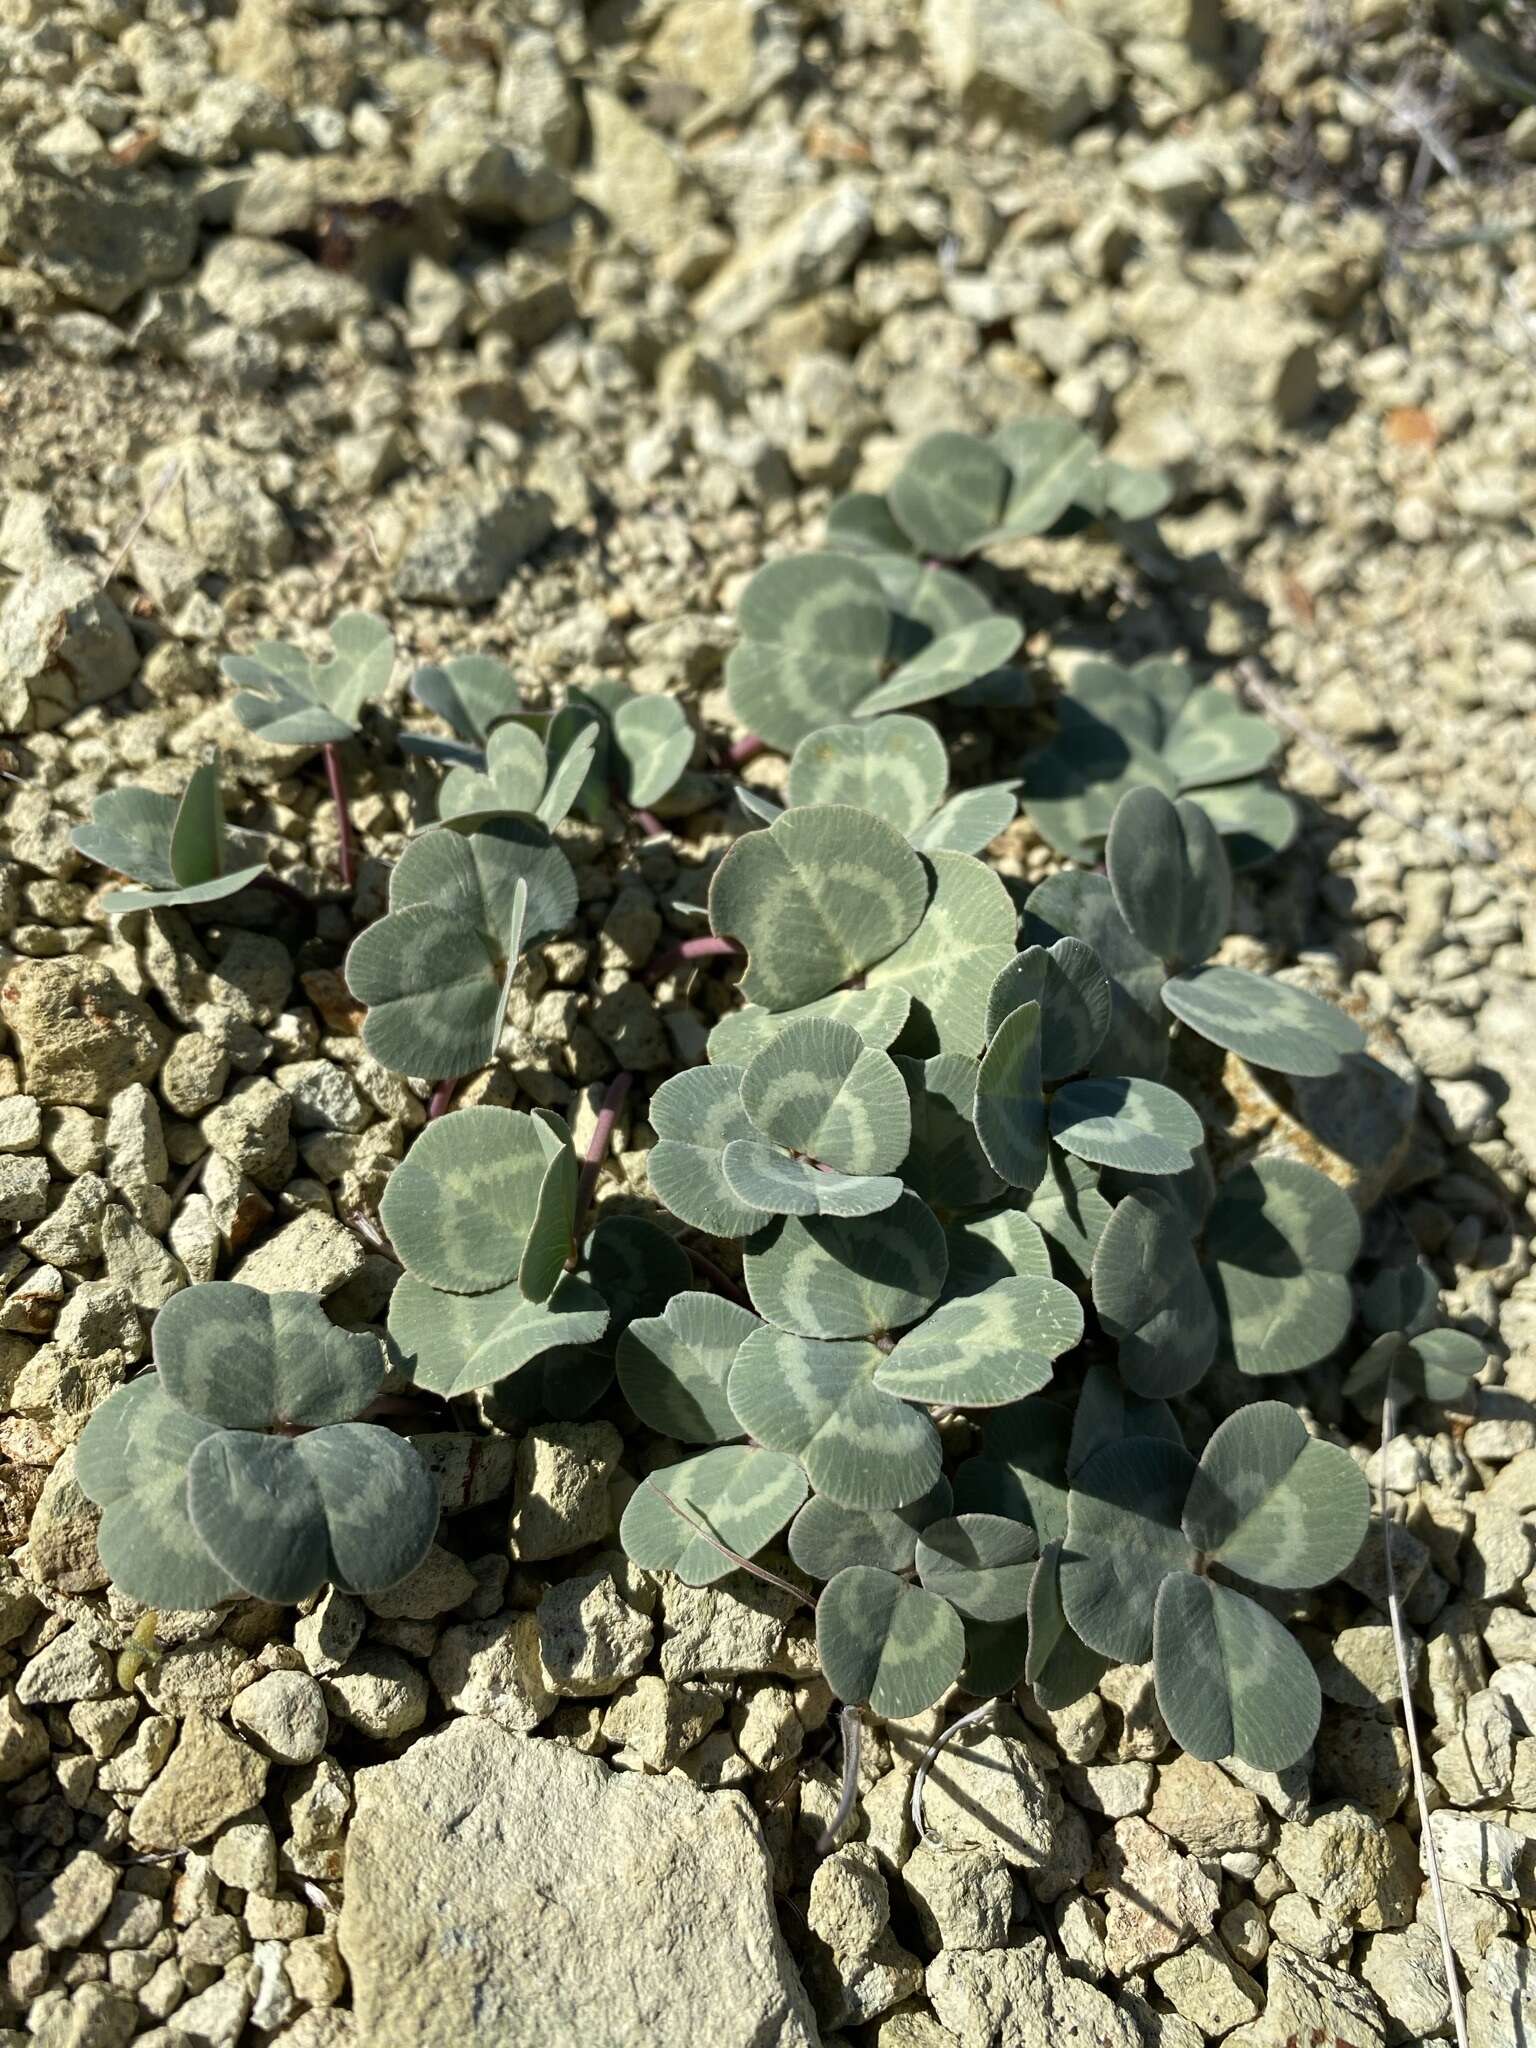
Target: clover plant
827	637
1411	1356
605	742
969	1189
436	972
1118	729
896	768
292	701
178	849
958	494
236	1468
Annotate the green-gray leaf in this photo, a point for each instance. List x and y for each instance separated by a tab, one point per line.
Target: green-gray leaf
1152	1297
832	1277
472	693
981	1564
513	779
673	1367
1211	740
695	1116
1278	1245
950	494
969	821
820	896
1263	1020
1071	988
886	1643
816	632
825	1538
130	833
654	742
879	1015
1123	1539
1060	1667
1170	876
461	1207
983	1350
1137	1125
762	1177
1108	1412
456	1343
244	1359
992	1246
1274	1504
946	1165
818	1402
740	1495
1069	1210
292	701
895	767
950	961
1010	1100
1230	1680
818	1089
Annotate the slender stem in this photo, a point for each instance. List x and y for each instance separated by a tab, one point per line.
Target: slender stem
343	814
931	1758
598	1143
745	1564
693	949
441	1100
745	750
267	880
362	1225
853	1743
651	825
1405	1681
732	1289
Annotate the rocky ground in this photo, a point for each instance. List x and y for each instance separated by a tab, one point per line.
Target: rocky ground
537	328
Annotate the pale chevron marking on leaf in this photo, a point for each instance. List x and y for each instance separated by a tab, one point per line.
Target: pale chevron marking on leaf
894	767
835	1277
459	1343
817	1402
742	1495
460	1206
967	935
981	1350
1263	1020
824	1537
673	1367
380	1502
1124	1536
1275	1504
886	1643
878	1015
246	1359
762	1177
983	1565
1126	1122
695	1115
817	1089
1230	1679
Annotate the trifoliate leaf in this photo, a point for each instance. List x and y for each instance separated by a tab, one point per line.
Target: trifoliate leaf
895	767
1212	740
1050	465
178	848
950	494
1123	1539
826	1277
244	1359
879	1015
695	1116
673	1367
1022	1469
1083	906
886	1643
435	973
825	1538
513	778
1278	1245
817	1089
1072	786
816	631
981	1564
946	1165
292	701
1256	821
456	1343
819	1403
1152	1297
1170	877
1275	1504
762	1177
130	832
981	1350
862	524
946	664
740	1495
480	1196
132	1461
1435	1365
1072	990
951	959
820	896
1010	1100
352	1504
1230	1680
1262	1020
1138	1125
1060	1667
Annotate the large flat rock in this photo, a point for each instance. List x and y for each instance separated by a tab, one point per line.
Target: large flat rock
507	1892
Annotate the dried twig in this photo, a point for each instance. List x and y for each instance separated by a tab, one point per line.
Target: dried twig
935	1750
162	484
853	1743
1400	1645
745	1564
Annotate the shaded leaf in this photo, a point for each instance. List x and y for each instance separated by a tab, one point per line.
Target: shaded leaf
1278	1244
1123	1539
673	1367
456	1343
981	1564
1230	1680
741	1495
1170	877
1060	1667
825	1538
1010	1100
886	1643
1071	988
1151	1296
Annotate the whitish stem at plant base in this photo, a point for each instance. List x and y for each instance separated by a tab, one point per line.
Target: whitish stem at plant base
853	1743
597	1146
343	815
1400	1644
931	1758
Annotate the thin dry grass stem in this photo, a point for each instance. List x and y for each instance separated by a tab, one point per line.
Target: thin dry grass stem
758	1571
1400	1645
853	1744
163	483
934	1752
338	782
